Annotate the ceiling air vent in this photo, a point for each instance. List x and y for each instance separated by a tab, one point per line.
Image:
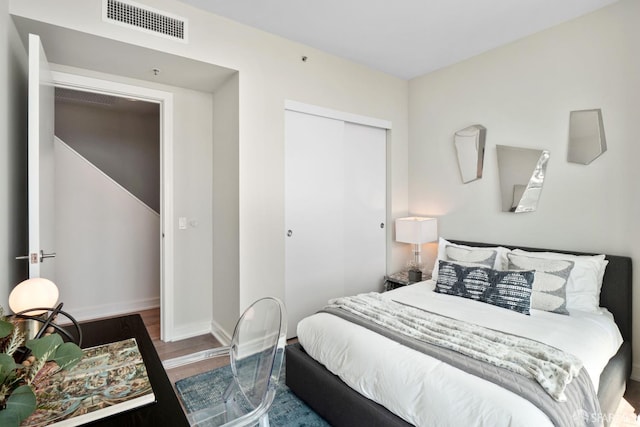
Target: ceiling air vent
144	18
81	97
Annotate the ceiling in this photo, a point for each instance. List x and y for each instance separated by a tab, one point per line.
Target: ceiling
405	38
72	48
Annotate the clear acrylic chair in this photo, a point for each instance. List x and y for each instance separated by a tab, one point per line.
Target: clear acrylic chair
255	353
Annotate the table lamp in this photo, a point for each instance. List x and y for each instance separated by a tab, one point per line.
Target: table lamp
34	292
33	302
416	230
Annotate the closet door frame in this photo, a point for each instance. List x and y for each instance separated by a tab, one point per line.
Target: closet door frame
329	113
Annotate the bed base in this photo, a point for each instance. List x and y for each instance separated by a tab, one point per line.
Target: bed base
332	399
613	382
340	405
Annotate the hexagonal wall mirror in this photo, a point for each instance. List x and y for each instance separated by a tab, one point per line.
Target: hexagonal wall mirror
586	136
522	172
469	144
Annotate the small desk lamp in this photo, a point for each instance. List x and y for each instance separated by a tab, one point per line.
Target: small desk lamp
416	230
34	302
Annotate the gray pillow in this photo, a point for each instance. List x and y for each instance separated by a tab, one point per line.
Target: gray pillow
479	257
506	289
550	284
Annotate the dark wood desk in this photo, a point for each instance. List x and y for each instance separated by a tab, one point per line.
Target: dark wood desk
166	411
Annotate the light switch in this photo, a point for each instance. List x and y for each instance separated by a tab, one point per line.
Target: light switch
182	223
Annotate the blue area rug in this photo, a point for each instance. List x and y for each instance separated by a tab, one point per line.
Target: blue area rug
203	390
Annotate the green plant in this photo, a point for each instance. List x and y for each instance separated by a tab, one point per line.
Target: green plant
17	380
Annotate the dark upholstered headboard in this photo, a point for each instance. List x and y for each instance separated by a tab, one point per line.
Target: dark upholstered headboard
617	287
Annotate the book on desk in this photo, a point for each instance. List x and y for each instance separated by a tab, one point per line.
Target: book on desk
110	379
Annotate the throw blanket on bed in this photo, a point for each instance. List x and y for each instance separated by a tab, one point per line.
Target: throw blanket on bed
492	355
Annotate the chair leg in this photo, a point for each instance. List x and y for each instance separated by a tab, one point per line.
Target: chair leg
195	357
215	415
264	420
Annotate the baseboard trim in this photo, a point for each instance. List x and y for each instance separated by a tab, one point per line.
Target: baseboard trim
114	309
220	334
191	330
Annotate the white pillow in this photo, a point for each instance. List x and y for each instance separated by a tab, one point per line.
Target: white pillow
470	256
549	290
585	279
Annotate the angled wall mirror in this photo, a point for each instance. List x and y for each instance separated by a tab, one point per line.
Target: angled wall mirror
469	144
522	172
586	136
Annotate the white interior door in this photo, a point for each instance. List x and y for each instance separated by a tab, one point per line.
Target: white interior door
364	202
40	163
313	210
335	205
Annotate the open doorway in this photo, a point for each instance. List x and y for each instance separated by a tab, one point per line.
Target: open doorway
107	216
115	230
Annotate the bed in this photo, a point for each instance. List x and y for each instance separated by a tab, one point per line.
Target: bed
341	405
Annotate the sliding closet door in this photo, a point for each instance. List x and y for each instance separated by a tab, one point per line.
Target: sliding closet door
313	213
334	207
364	202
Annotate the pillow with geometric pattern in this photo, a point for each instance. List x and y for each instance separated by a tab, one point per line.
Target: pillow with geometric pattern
585	279
506	289
550	284
490	257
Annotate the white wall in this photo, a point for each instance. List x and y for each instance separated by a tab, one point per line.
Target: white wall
107	242
193	190
123	143
13	160
226	251
523	93
271	71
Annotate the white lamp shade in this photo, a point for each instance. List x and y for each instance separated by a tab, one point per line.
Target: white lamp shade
416	230
32	293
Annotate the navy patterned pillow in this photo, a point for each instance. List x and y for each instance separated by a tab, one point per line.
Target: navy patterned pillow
511	290
462	281
506	289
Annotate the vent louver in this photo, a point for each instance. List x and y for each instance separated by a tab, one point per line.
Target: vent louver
70	95
145	18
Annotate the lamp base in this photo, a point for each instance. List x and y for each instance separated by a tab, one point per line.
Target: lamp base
36	326
29	327
47	322
415	276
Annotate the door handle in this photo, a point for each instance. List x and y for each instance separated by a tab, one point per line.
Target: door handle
33	258
43	255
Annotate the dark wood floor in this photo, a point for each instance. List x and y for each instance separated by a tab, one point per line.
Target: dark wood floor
625	416
170	350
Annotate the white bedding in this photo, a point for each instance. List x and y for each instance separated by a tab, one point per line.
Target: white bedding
427	392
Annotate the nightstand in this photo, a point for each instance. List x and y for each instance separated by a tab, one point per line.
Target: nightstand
397	280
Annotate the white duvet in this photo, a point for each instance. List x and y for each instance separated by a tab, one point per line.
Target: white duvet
427	392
